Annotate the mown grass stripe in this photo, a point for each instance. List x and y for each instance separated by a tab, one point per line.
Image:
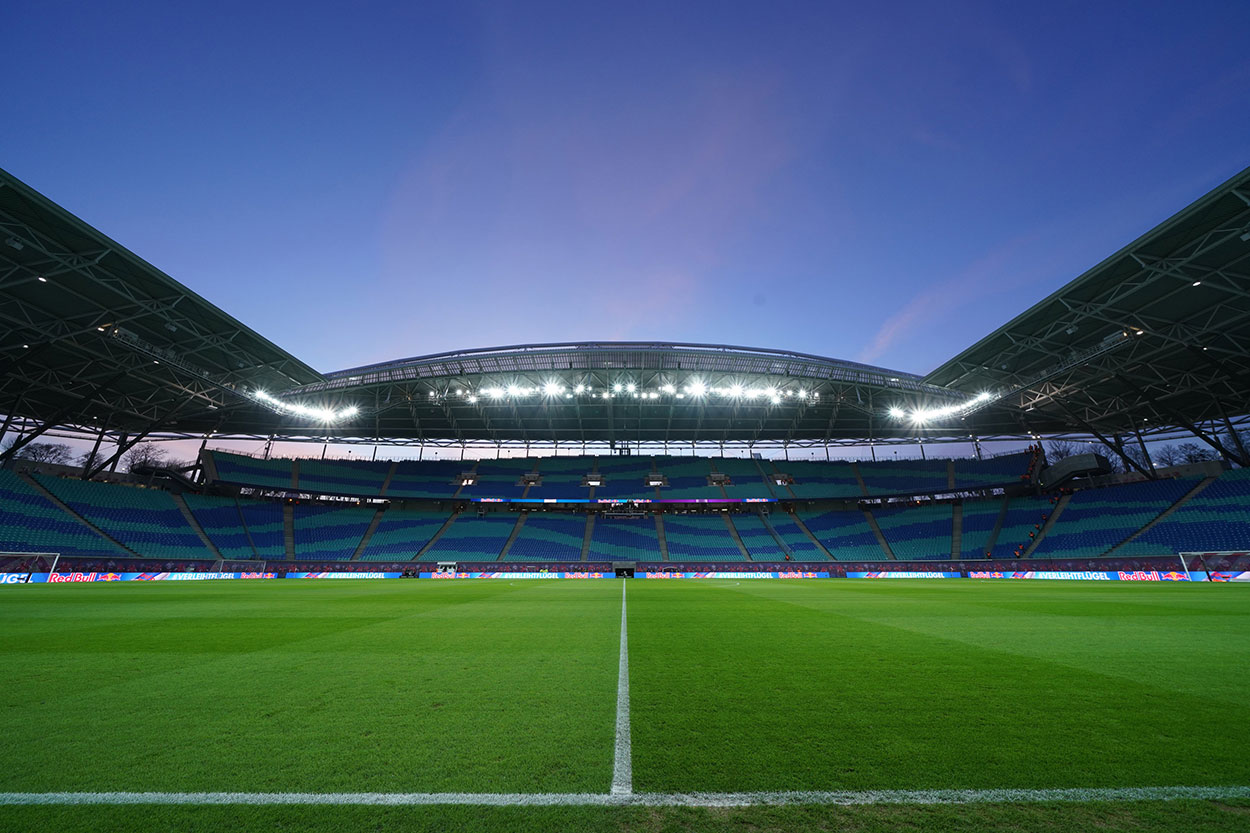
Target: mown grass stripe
743	799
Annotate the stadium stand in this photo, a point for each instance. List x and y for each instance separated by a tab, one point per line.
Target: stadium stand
146	521
1024	515
499	478
624	539
249	471
748	478
820	480
979	519
357	478
29	522
757	538
222	522
796	539
550	536
700	538
265	526
402	534
473	538
562	477
687	478
994	471
324	533
846	534
917	533
1215	519
427	478
905	477
1095	520
624	478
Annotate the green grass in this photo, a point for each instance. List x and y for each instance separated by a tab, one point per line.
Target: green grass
498	686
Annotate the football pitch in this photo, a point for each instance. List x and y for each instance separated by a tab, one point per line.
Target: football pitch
614	705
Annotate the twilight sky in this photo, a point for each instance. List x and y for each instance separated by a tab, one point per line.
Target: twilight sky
878	182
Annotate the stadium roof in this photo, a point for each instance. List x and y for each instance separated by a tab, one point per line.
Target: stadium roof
1155	337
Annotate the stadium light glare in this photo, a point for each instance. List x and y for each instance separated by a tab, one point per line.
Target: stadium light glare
494	392
696	388
42	279
515	390
736	390
669	389
897	412
472	399
775	399
553	388
296	409
579	389
1196	283
631	387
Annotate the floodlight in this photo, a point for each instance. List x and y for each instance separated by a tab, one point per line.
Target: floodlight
802	391
607	395
669	389
553	388
513	390
616	388
696	388
494	393
735	390
42	279
579	389
897	412
775	399
472	400
631	387
1196	283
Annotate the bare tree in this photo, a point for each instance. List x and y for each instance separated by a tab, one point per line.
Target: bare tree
148	455
46	453
1194	453
1169	455
1057	450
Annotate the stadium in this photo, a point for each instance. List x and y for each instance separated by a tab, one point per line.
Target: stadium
548	487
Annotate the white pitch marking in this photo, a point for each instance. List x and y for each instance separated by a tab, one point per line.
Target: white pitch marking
623	761
745	799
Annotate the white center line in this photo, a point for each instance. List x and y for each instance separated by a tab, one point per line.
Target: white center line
623	764
846	798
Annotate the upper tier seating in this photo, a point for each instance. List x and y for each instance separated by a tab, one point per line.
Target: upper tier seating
401	534
624	478
250	471
499	478
470	538
323	533
145	520
624	475
29	522
1214	520
222	522
817	480
362	478
905	477
993	471
700	538
747	476
549	536
687	478
1095	520
756	537
562	478
624	539
917	533
427	478
846	534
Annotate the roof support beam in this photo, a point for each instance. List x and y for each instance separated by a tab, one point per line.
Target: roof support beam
57	417
1175	416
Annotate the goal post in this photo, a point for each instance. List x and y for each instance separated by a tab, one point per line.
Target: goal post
27	563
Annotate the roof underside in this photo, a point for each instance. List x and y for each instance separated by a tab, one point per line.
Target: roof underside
107	339
91	334
1158	334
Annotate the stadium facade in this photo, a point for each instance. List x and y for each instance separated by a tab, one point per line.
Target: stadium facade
1154	342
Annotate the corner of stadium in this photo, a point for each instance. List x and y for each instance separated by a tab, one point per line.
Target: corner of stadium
498	494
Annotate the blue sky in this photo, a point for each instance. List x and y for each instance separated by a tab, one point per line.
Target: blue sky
877	182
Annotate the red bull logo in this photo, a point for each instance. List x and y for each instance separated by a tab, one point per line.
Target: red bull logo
1140	575
56	578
